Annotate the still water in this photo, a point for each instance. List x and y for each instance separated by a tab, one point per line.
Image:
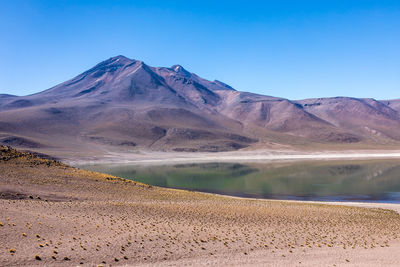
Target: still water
370	181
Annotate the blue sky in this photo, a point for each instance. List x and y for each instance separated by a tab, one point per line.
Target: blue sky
293	49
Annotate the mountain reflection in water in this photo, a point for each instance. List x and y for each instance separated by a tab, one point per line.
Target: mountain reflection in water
368	180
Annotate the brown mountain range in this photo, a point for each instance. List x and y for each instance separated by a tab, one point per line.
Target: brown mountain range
125	104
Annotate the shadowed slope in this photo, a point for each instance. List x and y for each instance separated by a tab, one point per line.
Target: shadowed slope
394	104
283	116
125	104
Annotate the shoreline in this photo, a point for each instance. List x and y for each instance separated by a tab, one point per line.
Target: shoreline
167	158
369	205
161	158
54	214
388	206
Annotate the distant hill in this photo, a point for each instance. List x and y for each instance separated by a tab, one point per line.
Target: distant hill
125	104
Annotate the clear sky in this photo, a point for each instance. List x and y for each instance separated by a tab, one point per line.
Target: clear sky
293	49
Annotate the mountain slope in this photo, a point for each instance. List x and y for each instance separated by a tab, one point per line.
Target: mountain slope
365	117
281	115
125	104
394	104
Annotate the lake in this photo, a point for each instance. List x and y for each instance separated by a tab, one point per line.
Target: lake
351	180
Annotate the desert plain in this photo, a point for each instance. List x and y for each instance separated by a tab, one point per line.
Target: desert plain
56	215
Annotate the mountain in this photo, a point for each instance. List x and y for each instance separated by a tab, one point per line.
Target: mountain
124	104
366	117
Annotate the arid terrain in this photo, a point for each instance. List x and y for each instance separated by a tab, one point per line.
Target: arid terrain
200	133
125	105
53	214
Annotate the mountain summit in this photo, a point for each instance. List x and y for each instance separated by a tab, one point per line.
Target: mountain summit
123	103
181	71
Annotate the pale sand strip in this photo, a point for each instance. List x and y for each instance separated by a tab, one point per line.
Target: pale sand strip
237	156
372	205
388	206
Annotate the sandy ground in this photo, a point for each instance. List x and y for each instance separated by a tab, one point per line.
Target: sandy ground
53	214
389	206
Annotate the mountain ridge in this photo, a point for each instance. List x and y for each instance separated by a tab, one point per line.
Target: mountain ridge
123	103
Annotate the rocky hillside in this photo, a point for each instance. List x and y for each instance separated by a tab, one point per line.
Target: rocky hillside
125	104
